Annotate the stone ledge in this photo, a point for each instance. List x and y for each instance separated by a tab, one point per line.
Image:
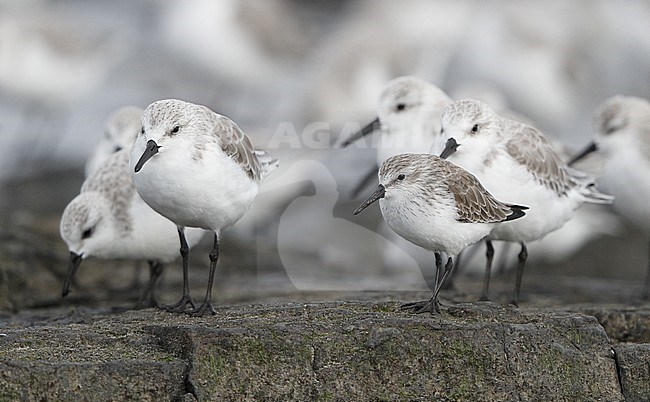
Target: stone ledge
315	351
633	362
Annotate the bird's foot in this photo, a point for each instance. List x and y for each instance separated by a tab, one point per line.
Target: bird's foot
422	307
182	304
149	302
205	308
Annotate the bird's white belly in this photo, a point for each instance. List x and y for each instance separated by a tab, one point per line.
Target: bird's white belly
628	180
194	197
436	231
512	184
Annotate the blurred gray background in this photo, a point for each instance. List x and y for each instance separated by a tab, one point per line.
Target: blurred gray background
297	76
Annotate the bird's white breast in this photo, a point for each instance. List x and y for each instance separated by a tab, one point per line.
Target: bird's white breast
211	192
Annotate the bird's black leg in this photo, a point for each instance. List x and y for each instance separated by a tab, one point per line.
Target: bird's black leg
489	254
449	284
135	282
434	300
523	255
438	268
149	297
186	298
207	307
419	304
432	306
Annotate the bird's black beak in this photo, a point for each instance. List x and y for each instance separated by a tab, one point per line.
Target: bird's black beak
450	148
380	192
367	129
75	261
590	148
150	150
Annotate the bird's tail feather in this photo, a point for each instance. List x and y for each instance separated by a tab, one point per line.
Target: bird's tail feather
267	162
517	212
589	190
594	196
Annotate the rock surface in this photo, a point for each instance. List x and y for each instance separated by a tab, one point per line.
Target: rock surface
318	351
633	362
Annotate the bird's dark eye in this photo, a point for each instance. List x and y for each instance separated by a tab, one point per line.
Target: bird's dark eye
176	129
87	233
400	106
142	131
117	148
612	127
475	128
401	177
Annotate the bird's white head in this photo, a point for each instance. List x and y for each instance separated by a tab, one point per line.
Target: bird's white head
622	122
163	122
409	111
122	127
86	224
404	177
408	115
411	100
468	126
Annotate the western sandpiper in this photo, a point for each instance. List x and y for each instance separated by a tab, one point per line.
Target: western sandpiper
438	206
198	169
515	161
622	125
108	219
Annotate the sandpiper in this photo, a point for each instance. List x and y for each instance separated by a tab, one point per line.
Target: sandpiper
109	220
622	125
517	161
438	206
198	169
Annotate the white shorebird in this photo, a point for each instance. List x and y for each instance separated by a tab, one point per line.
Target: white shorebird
438	206
198	169
120	131
108	219
514	160
408	117
622	125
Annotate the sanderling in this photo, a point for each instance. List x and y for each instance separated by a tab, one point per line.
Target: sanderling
108	219
438	206
514	160
120	130
622	125
408	116
198	169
